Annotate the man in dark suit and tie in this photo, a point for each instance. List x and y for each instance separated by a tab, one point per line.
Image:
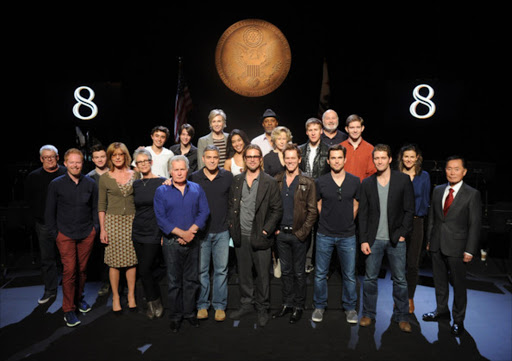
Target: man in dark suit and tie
453	232
386	211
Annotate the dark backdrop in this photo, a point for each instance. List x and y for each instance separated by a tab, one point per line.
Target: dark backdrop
375	56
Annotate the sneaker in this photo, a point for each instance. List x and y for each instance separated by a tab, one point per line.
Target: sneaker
351	316
202	314
71	319
46	297
318	315
84	307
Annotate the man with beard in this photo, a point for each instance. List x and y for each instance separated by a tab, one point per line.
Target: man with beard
332	135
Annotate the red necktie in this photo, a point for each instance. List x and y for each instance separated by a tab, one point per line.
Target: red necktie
448	201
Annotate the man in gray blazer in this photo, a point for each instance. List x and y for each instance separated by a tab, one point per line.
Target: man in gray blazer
386	211
453	233
254	212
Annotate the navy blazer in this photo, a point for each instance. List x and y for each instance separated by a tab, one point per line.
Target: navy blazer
400	208
459	231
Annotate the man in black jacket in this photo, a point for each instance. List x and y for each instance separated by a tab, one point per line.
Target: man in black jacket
386	212
255	210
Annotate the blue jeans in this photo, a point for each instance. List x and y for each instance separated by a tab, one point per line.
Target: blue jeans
397	259
214	247
346	249
182	274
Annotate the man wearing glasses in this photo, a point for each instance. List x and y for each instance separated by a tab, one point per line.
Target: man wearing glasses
36	188
255	210
338	202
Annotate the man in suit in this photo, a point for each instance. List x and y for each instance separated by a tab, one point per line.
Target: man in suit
453	232
254	212
386	212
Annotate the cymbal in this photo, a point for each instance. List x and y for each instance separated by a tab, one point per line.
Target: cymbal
253	57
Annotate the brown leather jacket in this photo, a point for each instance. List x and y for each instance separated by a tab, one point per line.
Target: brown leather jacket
305	211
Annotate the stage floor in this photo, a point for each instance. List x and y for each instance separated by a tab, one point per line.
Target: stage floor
37	332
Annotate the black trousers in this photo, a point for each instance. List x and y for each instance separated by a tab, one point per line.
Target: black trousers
148	263
292	254
253	292
414	246
447	269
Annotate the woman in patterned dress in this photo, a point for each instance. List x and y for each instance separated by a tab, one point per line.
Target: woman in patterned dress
116	210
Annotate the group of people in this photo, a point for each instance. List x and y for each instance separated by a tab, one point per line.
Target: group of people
269	198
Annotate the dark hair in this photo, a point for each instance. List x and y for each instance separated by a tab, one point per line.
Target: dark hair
292	146
382	148
230	152
98	148
161	128
190	129
336	147
457	157
414	148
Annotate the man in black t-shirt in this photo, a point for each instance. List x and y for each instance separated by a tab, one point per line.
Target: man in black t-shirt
338	201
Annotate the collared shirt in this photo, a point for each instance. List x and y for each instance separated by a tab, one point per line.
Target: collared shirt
337	139
217	193
287	195
72	208
263	142
456	189
174	209
248	205
359	161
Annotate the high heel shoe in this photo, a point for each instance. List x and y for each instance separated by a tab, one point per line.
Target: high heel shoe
119	311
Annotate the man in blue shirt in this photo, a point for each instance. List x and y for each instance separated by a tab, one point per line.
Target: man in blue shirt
71	216
181	210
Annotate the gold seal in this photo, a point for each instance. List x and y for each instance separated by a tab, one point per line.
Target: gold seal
253	57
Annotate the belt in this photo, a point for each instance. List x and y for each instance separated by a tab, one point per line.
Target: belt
286	229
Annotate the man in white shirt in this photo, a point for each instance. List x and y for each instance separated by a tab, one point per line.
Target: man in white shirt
160	155
269	123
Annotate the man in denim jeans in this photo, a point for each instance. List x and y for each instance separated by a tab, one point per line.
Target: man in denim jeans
181	210
386	212
338	201
216	183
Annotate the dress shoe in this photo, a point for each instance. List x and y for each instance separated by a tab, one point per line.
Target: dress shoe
193	321
263	318
296	315
411	305
151	310
283	311
435	316
175	326
220	315
159	308
202	314
458	329
405	326
365	321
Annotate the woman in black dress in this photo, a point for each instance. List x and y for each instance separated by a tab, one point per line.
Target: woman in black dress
273	161
145	232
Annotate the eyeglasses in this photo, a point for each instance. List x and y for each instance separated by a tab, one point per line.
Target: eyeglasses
143	162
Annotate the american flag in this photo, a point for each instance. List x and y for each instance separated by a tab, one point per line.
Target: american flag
323	104
183	103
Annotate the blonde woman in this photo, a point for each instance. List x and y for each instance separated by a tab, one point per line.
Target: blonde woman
116	210
273	162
